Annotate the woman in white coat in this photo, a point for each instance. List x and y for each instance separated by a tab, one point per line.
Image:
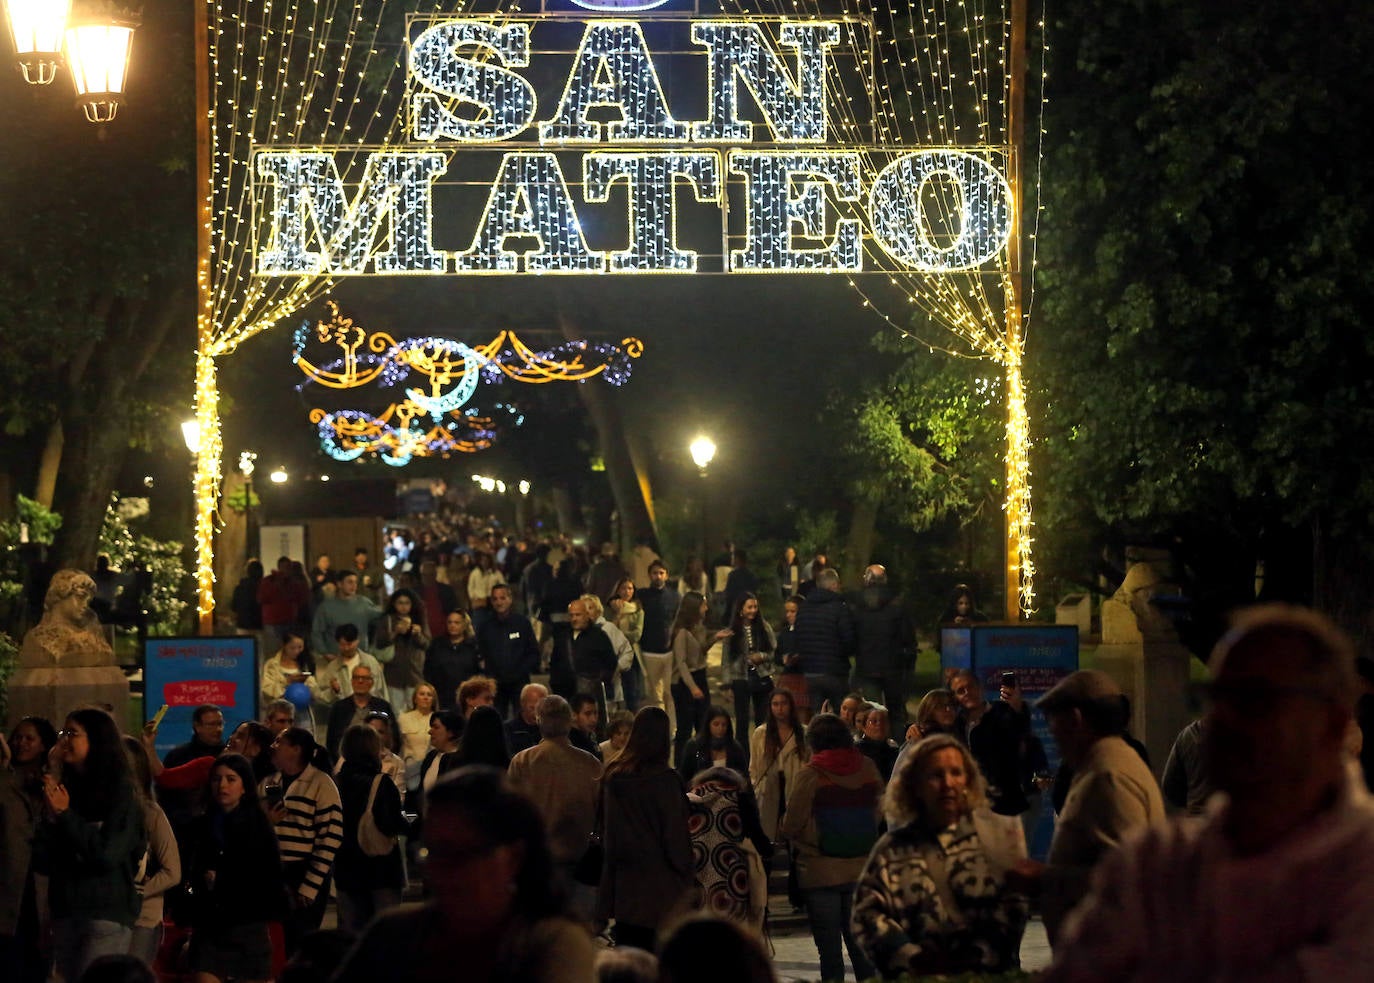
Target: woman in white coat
777	752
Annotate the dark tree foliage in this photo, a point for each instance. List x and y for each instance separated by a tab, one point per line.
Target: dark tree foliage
1201	349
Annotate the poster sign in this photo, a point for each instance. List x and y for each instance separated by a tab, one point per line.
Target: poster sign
186	672
275	541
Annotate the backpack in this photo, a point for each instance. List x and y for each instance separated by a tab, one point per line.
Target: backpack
372	841
846	822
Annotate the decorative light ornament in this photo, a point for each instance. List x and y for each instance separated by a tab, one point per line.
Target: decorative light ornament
98	55
37	26
279	476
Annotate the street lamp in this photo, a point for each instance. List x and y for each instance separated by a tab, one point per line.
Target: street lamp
703	450
98	55
278	476
190	432
37	27
247	465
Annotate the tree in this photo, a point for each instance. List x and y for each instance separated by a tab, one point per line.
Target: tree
1201	350
97	231
925	446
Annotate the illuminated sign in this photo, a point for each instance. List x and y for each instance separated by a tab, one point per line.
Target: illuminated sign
610	180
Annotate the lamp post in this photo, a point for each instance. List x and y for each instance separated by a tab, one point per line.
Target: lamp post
37	27
247	465
703	451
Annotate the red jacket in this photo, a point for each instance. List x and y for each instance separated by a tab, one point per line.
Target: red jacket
282	599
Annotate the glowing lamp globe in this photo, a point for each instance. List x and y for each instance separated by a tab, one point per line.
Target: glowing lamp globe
298	695
703	451
98	55
37	27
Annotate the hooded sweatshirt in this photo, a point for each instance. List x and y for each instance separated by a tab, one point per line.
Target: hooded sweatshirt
832	817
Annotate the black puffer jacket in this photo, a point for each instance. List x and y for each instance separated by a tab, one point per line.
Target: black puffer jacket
825	634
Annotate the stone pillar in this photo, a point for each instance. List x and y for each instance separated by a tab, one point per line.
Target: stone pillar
1141	651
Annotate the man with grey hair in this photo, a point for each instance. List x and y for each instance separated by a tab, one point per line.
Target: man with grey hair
563	782
1273	883
279	715
825	641
522	730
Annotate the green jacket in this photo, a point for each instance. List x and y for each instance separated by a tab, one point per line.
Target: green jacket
93	865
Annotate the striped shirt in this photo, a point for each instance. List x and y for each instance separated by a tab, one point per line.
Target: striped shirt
312	829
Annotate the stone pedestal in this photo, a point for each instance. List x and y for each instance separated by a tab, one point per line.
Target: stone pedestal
53	692
1141	651
65	660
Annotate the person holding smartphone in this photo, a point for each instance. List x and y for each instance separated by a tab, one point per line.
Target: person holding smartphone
996	733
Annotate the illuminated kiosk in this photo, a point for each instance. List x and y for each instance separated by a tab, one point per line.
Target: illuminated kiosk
334	181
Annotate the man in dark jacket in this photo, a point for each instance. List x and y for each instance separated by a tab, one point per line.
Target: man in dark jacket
886	645
825	641
996	735
660	603
534	582
509	649
355	710
593	655
740	582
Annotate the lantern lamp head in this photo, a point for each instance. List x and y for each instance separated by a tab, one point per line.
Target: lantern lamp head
98	48
37	27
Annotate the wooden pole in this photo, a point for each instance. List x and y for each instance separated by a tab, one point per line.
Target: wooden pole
1016	105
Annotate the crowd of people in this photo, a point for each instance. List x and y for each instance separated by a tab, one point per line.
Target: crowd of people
620	802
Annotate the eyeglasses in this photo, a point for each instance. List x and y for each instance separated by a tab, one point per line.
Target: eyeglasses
69	735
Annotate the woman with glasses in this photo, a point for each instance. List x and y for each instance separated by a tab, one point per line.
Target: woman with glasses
94	836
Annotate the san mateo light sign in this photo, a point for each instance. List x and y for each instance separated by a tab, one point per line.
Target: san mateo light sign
488	181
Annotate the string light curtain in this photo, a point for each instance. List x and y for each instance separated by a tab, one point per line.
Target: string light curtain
279	72
317	74
942	77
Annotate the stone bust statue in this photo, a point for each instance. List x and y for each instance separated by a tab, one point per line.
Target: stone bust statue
68	635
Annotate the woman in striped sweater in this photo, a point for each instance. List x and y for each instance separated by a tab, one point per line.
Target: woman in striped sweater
303	804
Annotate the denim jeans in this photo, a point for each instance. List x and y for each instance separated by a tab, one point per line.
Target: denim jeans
78	941
828	909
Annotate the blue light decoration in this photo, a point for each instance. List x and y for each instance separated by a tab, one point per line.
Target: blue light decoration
431	419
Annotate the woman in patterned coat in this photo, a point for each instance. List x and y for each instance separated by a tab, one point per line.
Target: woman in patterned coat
730	850
933	897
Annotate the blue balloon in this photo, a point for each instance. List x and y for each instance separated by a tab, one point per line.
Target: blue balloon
298	695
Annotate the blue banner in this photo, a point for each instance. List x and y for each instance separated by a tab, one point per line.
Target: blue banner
184	673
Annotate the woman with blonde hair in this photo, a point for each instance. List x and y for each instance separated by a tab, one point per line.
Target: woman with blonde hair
933	896
452	658
415	731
